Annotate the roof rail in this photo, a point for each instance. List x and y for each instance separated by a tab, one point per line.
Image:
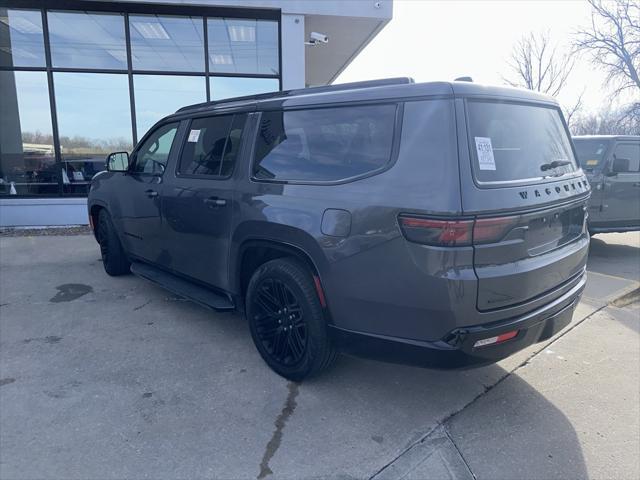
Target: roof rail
323	88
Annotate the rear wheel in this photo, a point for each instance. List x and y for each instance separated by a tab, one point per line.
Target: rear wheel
114	258
286	320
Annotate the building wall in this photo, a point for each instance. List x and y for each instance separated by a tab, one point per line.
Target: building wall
64	106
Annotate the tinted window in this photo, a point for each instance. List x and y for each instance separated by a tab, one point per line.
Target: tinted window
160	95
152	156
27	160
212	145
87	40
243	45
21	40
94	119
161	42
227	87
627	156
518	142
325	144
590	152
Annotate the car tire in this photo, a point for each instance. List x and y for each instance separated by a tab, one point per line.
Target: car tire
287	322
114	258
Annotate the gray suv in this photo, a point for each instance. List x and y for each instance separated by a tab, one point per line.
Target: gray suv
612	166
437	224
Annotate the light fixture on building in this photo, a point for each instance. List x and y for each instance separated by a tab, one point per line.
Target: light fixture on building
242	33
151	30
21	24
221	59
316	38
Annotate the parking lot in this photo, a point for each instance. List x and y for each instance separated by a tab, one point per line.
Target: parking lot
106	377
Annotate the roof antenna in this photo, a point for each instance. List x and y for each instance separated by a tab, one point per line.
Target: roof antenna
464	79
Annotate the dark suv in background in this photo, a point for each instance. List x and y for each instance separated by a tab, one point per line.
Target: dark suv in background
612	166
438	224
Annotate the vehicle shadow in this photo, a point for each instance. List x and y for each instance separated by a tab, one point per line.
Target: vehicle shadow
503	426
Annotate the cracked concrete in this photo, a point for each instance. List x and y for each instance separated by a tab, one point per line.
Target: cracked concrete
147	387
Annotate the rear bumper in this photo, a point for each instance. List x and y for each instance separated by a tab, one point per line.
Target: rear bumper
456	349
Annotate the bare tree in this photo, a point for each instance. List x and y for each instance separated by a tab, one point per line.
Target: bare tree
537	65
613	42
608	121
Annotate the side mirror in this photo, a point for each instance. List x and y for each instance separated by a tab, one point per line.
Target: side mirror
117	162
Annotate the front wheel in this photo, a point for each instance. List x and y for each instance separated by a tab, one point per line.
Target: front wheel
286	320
114	258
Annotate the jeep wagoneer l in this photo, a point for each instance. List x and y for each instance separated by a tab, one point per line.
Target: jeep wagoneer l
438	224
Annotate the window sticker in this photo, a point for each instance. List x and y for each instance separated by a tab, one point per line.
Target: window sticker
485	153
193	136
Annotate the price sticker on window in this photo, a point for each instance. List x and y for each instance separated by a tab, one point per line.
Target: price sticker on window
193	136
485	153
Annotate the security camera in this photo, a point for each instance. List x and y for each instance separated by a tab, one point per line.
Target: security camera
316	38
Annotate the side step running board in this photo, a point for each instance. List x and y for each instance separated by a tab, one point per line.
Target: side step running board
184	288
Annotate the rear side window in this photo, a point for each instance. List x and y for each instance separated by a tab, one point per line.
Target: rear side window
324	144
212	146
514	142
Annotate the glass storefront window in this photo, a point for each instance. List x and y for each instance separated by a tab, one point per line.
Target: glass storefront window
160	95
27	159
21	38
87	40
167	43
94	119
227	87
243	46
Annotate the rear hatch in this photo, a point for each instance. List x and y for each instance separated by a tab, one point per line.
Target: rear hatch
528	197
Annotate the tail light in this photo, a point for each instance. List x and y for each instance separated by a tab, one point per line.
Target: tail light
431	231
488	230
456	233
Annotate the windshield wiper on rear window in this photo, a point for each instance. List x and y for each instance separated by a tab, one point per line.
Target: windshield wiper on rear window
556	163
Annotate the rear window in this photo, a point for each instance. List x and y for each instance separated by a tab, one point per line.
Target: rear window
515	142
590	152
324	144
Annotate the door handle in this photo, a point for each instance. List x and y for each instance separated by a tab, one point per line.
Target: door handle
151	193
637	184
215	202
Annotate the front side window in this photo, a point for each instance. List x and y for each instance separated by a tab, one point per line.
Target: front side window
325	144
515	142
152	156
212	146
626	157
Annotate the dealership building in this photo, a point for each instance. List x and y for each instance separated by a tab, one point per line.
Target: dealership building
79	79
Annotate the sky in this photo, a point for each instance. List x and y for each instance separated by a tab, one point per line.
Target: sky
442	40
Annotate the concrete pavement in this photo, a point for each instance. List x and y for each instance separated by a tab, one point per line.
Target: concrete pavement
114	377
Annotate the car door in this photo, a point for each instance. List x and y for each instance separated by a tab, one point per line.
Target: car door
197	199
140	193
621	206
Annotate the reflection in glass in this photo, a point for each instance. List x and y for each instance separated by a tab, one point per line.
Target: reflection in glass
27	160
159	95
94	119
87	40
167	43
243	46
21	38
228	87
